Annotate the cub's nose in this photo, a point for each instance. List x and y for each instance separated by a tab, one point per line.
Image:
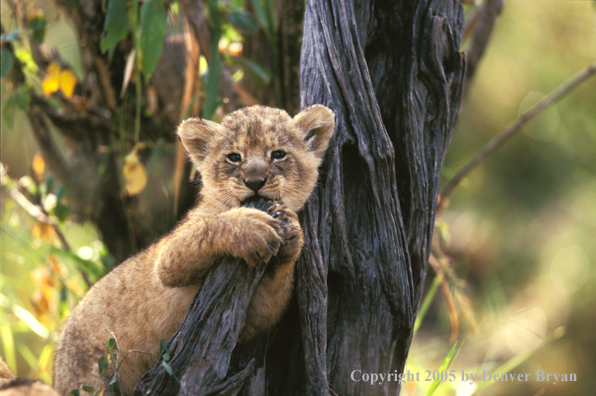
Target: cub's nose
255	184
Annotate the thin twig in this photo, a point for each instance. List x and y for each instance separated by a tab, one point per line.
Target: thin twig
514	127
33	210
482	23
453	315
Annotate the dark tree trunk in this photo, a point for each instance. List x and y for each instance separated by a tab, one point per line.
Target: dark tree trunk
393	74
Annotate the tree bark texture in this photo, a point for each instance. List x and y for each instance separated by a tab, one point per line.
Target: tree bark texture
393	74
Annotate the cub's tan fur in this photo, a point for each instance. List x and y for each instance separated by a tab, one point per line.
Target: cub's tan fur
255	151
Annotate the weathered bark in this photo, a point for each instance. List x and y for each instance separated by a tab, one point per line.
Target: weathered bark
392	72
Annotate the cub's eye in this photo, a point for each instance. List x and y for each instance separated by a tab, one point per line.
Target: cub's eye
278	154
234	157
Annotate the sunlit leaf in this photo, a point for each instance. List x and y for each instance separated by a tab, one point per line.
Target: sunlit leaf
153	32
243	21
6	62
27	62
37	23
68	81
57	79
51	81
445	366
44	231
38	165
134	173
115	26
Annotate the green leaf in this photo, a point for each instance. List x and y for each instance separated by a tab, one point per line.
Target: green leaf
153	33
112	383
90	267
115	27
214	72
428	299
261	74
61	211
243	21
6	62
88	389
162	346
167	367
37	24
20	98
444	367
103	364
74	392
261	14
112	344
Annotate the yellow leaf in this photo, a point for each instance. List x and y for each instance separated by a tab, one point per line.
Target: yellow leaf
43	297
51	81
39	167
58	79
68	81
44	231
134	172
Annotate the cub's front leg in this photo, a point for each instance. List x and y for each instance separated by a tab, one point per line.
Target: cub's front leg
274	291
186	255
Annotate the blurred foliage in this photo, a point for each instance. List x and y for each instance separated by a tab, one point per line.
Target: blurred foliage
515	251
48	258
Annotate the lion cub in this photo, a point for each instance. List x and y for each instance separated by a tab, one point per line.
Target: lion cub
256	151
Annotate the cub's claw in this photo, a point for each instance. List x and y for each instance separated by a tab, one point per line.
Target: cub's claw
280	212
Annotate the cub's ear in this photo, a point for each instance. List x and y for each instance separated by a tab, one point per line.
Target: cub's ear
198	137
315	124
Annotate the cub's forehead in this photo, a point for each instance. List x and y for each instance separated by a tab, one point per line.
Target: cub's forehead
259	126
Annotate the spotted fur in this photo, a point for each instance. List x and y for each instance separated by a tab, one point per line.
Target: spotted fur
146	297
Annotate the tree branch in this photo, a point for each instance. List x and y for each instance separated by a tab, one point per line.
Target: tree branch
514	127
483	24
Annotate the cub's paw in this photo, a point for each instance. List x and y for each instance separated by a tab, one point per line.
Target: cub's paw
292	234
258	236
281	212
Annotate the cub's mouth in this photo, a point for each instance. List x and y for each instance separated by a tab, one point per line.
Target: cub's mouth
255	199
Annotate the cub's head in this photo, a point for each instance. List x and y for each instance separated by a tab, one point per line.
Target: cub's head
259	151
